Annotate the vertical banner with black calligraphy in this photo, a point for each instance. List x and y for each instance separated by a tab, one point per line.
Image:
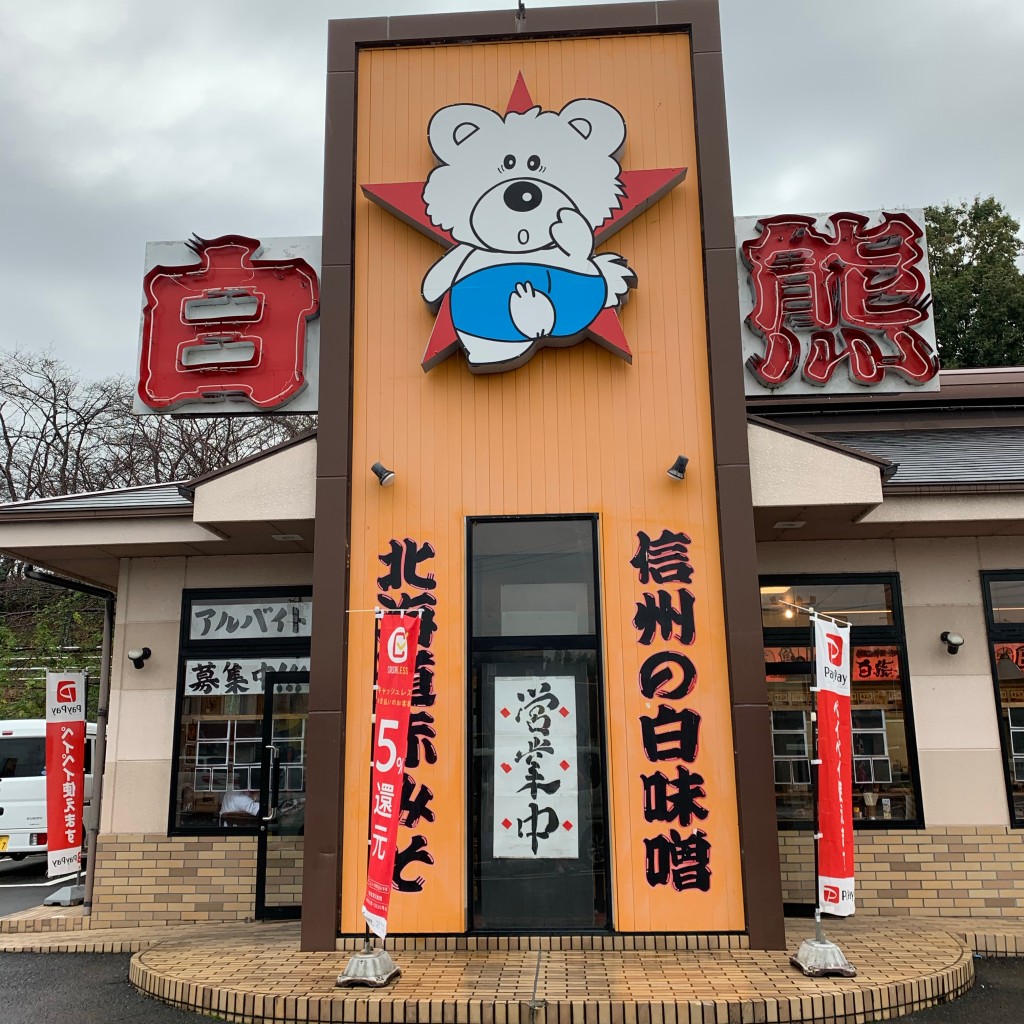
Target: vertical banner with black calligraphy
409	584
673	794
65	770
396	660
835	771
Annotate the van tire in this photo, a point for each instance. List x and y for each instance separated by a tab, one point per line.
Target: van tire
17	856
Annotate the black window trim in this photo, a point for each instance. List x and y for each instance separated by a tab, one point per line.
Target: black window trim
893	634
189	648
996	632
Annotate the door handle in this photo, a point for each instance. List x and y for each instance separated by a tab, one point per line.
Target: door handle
272	787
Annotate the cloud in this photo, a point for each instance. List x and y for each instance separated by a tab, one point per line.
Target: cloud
129	122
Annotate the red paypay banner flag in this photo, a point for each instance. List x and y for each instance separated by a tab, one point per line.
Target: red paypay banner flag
65	770
835	781
396	671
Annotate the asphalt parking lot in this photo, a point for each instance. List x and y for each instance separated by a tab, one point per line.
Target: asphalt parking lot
23	883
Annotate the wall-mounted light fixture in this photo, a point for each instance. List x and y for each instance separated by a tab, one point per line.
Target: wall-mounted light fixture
678	468
953	641
138	656
385	477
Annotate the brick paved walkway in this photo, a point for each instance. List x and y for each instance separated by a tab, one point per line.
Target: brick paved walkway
255	972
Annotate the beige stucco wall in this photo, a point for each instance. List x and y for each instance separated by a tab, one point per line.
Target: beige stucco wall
140	737
954	704
267	490
787	471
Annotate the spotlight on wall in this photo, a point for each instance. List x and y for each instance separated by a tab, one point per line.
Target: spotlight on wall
138	656
385	477
678	468
953	641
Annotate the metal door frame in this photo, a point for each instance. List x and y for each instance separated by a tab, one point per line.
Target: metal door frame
268	799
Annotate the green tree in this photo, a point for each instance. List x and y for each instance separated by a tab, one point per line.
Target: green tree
61	433
977	286
44	628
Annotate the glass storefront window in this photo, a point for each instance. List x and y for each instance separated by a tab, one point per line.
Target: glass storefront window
533	577
218	752
1006	600
231	640
862	604
884	767
1004	605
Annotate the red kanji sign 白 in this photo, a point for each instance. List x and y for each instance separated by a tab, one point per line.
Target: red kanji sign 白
228	327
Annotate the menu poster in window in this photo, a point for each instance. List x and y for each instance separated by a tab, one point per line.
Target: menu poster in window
835	785
536	794
65	770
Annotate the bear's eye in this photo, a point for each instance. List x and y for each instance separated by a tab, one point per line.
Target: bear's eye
533	163
510	162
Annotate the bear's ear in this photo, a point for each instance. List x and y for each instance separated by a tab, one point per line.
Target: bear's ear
599	123
451	126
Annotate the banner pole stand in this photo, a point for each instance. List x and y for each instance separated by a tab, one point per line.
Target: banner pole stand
818	957
372	967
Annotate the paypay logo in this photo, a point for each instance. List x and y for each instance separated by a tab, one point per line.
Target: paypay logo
830	893
835	648
67	691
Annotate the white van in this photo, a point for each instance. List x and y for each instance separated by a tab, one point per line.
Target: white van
23	784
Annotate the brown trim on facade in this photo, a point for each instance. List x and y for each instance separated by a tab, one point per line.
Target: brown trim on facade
55	515
762	885
996	386
325	795
915	490
758	832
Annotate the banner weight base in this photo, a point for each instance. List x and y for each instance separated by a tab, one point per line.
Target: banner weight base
373	967
69	896
817	958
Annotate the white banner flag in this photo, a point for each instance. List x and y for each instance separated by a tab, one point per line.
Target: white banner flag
65	770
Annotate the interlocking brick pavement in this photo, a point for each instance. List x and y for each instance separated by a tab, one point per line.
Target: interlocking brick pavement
255	972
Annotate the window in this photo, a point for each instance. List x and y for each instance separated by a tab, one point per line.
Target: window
539	843
884	768
1004	608
790	745
229	641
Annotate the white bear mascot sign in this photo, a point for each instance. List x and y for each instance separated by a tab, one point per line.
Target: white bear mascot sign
521	201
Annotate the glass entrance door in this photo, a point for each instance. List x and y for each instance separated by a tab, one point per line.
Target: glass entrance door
282	796
538	826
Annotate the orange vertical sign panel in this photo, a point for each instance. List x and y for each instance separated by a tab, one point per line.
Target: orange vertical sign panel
587	423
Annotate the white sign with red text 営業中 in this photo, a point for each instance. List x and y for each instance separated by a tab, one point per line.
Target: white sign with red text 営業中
65	770
835	783
536	766
396	671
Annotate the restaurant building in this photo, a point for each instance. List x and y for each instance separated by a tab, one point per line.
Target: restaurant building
609	735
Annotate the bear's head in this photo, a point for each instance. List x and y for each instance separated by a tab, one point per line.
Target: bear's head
501	181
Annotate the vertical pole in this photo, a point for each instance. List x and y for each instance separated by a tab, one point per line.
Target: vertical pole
378	614
815	765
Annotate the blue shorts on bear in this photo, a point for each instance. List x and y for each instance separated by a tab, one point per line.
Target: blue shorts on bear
480	301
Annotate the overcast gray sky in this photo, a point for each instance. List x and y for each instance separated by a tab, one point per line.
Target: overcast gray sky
123	121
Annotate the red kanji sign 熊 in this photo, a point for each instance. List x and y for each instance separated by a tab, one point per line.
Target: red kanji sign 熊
229	328
844	304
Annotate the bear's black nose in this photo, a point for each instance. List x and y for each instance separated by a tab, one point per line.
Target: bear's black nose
522	196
